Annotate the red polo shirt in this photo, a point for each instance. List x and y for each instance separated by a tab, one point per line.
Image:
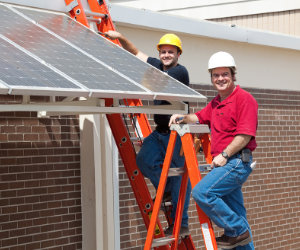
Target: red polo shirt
237	114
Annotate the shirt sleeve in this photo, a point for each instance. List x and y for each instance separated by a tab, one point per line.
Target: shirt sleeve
204	115
185	76
246	115
154	62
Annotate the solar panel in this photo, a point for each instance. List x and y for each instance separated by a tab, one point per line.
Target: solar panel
113	56
102	81
27	74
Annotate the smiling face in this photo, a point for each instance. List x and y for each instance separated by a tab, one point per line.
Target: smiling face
223	81
168	55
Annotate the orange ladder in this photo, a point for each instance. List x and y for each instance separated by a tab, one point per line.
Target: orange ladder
100	15
191	170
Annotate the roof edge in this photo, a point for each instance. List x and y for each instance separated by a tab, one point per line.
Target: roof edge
160	21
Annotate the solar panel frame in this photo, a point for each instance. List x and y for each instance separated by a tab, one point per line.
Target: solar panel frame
4	89
150	74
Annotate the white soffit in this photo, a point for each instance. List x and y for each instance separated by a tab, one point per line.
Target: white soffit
159	21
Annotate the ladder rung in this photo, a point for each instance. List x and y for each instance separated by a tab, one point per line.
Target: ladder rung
205	167
180	171
162	241
91	13
182	129
136	139
175	171
97	20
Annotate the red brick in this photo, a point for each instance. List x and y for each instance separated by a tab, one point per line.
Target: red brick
271	194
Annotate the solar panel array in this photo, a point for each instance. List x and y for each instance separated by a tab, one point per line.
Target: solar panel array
46	53
23	72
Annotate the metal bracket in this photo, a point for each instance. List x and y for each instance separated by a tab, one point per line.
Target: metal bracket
72	5
26	99
183	129
42	114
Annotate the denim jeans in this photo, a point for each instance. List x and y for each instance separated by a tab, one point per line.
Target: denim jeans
150	160
220	197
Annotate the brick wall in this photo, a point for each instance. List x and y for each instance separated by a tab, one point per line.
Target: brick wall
40	180
271	193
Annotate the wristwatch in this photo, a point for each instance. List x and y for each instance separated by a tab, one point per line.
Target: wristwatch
225	155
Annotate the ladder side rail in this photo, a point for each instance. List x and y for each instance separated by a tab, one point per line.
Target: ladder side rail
106	21
78	12
180	207
195	177
188	243
160	189
206	147
135	177
127	154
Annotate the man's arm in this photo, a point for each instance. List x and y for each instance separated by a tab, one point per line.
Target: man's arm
126	44
237	144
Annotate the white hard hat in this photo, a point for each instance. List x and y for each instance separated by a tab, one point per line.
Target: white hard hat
221	59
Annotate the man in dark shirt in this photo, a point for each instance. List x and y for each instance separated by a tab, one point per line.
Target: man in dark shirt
151	156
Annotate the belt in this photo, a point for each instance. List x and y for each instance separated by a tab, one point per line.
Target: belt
245	150
245	154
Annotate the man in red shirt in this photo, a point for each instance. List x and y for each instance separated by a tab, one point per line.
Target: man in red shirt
232	118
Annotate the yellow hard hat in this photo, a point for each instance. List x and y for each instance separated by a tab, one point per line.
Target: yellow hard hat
170	39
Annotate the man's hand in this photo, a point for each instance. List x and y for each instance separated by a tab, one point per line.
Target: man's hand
111	34
219	161
176	119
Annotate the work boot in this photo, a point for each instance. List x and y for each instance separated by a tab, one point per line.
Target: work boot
226	242
184	231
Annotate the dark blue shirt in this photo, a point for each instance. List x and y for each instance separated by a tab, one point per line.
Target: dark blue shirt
178	72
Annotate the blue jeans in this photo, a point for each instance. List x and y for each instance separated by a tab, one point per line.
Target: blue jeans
220	197
150	160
